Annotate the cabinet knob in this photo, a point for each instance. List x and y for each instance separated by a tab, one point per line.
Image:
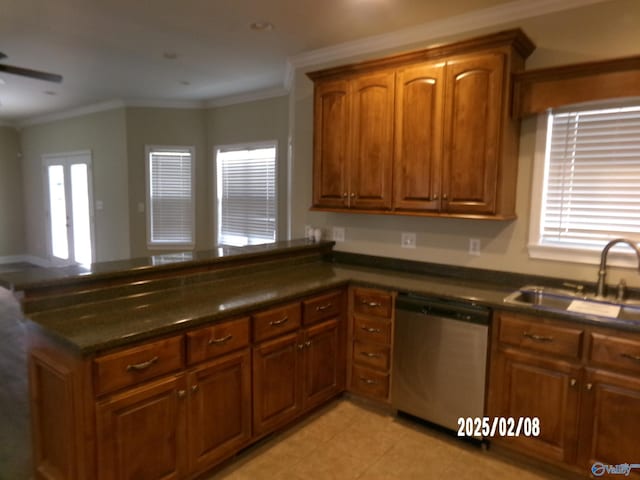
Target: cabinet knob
573	382
182	393
444	197
300	346
307	343
353	195
195	388
589	386
345	195
435	197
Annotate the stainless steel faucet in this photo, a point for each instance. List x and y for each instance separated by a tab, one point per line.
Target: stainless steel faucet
601	290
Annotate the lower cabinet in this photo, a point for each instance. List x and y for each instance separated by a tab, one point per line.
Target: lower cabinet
141	433
299	370
581	382
173	408
219	410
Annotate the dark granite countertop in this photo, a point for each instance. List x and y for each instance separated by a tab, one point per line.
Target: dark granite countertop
95	327
139	267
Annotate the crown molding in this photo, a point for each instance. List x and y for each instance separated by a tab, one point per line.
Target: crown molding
475	20
146	103
247	97
72	113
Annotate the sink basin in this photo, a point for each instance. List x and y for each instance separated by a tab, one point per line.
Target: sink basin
575	303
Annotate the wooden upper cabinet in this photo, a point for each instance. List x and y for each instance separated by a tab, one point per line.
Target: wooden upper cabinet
372	141
331	144
418	134
421	133
472	119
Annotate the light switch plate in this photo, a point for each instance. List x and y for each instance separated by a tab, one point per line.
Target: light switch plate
338	234
408	240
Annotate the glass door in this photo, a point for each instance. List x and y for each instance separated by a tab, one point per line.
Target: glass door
69	212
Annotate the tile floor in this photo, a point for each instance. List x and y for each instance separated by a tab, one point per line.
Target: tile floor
350	439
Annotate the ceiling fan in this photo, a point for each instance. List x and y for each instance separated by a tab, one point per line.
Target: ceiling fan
27	72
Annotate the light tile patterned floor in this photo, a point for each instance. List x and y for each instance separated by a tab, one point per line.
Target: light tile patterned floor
349	439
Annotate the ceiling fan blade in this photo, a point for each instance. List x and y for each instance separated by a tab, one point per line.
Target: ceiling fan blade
27	72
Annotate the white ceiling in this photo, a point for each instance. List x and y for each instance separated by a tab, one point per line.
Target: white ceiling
114	49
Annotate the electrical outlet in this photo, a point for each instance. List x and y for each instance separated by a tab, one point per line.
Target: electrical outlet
408	240
338	234
474	246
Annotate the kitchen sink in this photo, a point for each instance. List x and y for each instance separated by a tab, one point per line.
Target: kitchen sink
574	302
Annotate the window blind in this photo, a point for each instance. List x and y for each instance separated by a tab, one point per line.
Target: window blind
171	205
246	195
592	178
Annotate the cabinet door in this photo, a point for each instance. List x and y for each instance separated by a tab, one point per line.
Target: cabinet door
372	141
610	420
473	112
418	138
219	409
530	386
323	363
330	144
141	432
277	393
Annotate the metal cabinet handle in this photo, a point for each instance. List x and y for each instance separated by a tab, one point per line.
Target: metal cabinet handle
630	356
195	388
370	329
371	304
589	386
307	343
275	323
573	382
138	367
370	355
182	393
322	308
300	346
368	381
537	338
219	341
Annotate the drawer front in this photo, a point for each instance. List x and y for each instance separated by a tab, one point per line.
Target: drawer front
616	352
541	337
370	383
372	302
129	367
276	321
372	330
318	308
371	355
217	340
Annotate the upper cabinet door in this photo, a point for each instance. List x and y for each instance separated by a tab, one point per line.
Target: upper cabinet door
473	113
372	97
330	144
418	137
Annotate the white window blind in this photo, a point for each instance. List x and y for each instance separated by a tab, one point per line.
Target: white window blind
247	203
170	197
591	188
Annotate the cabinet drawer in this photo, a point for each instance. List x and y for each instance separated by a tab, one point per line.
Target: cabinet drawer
615	352
539	336
370	383
321	307
216	340
372	302
372	330
371	355
276	321
134	365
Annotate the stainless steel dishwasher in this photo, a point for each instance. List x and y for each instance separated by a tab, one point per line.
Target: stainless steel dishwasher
439	359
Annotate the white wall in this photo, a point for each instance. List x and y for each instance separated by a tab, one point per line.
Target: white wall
11	209
604	30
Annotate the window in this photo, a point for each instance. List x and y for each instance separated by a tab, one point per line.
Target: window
587	183
170	203
246	194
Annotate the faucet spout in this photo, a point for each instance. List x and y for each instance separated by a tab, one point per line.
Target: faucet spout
601	290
